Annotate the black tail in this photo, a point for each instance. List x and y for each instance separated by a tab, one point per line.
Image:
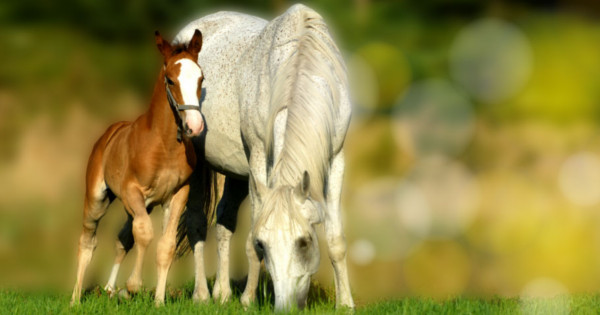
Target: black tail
200	208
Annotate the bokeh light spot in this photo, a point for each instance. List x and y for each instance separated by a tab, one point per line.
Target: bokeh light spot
413	209
364	87
579	178
438	119
362	252
391	69
375	216
450	193
492	59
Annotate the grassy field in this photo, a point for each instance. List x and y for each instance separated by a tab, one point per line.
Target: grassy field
97	301
432	209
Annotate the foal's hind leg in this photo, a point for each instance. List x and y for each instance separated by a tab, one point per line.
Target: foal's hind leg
123	244
336	241
234	193
97	199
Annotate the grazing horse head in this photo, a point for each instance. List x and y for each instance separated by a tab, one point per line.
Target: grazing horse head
284	228
183	81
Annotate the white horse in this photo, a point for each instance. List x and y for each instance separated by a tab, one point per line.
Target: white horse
276	111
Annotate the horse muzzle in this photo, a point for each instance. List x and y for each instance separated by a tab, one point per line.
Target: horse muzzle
194	123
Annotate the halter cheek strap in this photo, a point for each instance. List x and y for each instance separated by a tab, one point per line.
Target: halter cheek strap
176	107
173	102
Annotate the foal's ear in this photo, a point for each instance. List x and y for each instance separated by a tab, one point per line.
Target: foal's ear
258	188
303	189
195	43
163	46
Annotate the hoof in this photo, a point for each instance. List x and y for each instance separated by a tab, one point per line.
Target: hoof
247	299
201	296
134	286
110	291
222	294
348	306
124	294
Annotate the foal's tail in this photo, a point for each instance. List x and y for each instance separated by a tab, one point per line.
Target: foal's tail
200	209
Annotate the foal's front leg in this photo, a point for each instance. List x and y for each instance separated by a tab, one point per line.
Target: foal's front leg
166	245
143	232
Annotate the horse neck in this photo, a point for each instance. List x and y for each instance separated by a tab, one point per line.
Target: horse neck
289	168
159	117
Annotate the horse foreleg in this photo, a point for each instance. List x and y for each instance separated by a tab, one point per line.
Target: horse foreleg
143	233
96	202
201	293
336	241
235	191
123	244
165	249
249	295
257	165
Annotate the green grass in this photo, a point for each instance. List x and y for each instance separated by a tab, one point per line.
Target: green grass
178	301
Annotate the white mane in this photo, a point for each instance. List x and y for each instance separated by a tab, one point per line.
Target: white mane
307	85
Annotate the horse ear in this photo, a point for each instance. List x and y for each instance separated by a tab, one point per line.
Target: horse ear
303	189
195	43
163	46
257	187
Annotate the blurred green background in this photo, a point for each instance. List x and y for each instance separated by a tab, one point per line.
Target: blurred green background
473	163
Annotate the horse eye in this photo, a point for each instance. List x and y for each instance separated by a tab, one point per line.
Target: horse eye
170	82
258	245
302	243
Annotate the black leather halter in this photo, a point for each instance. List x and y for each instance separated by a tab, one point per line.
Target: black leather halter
176	107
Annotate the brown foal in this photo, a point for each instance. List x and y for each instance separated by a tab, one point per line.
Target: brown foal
146	163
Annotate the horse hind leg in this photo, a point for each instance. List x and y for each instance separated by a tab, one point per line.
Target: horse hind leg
197	224
123	244
199	208
97	199
235	191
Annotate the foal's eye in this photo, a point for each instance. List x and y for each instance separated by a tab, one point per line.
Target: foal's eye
170	82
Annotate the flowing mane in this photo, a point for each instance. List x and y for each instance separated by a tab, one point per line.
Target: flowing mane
307	86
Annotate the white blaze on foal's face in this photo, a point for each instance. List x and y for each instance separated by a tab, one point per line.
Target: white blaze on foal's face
189	78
